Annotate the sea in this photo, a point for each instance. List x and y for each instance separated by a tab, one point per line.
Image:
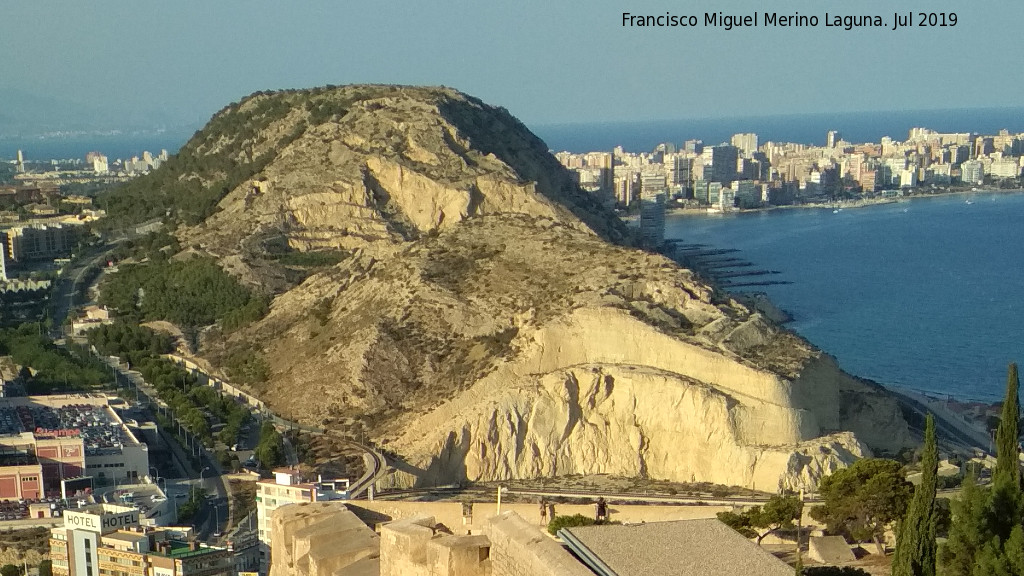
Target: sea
925	295
113	146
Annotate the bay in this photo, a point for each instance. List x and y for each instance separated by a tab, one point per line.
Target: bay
925	295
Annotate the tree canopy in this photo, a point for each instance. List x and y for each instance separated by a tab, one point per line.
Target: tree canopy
987	534
189	293
779	512
862	500
270	449
53	368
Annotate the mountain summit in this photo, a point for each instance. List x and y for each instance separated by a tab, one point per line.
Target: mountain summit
484	319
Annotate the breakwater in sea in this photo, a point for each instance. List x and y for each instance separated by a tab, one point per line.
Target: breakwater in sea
922	295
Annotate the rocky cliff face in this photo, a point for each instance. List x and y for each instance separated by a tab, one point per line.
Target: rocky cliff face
488	324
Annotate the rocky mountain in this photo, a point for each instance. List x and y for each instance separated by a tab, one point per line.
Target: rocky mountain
486	318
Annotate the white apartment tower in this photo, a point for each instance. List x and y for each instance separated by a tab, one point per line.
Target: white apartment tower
747	143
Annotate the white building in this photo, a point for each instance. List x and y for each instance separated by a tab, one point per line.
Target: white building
100	165
747	143
288	487
972	172
908	178
1005	168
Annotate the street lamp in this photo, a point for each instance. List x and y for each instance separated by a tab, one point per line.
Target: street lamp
500	490
159	478
216	513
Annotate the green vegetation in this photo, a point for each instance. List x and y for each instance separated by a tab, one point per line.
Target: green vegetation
987	533
915	543
152	246
129	342
315	259
46	568
1008	435
192	403
559	522
860	501
779	512
10	570
215	161
834	571
270	449
191	293
248	366
52	369
188	510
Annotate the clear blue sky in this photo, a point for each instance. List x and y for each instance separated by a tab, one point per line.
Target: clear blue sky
546	61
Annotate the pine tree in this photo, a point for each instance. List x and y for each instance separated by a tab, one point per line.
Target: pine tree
969	531
987	538
915	545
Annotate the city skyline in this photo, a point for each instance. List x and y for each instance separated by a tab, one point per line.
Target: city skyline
568	63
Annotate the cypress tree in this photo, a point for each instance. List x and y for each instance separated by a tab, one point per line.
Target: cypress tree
1006	494
1007	435
915	544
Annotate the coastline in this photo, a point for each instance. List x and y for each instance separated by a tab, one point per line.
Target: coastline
841	204
962	419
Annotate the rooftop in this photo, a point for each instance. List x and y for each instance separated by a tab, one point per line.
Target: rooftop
182	549
703	547
100	431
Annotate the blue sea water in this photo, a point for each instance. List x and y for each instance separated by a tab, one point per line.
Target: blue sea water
926	294
117	146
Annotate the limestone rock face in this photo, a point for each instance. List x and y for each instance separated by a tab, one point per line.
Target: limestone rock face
488	320
392	163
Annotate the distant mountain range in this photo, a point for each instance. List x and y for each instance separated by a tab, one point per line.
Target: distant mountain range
29	115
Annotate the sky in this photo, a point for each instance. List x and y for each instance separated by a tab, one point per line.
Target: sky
548	62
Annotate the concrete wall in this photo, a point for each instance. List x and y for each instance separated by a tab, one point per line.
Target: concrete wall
320	539
216	383
323	538
518	549
450	513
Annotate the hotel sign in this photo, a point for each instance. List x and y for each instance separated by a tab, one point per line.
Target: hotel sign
101	523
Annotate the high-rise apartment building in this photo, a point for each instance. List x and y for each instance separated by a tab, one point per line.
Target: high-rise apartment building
723	164
652	219
972	172
746	143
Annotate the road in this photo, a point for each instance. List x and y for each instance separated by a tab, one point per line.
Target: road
376	464
208	477
63	298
